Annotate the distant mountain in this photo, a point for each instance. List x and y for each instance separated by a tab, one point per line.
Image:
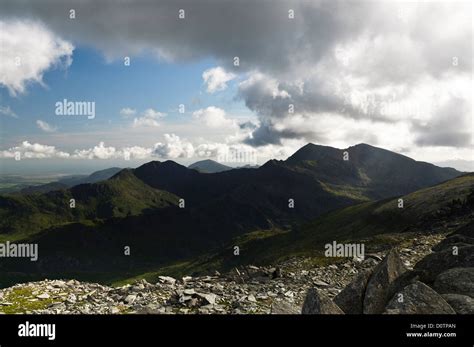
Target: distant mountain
377	173
94	177
44	188
209	166
71	181
461	165
137	207
314	180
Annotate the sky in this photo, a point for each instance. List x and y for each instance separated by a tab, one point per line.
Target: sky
240	82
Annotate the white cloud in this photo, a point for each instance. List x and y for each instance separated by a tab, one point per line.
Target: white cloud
128	112
136	152
28	49
45	126
173	147
216	79
34	151
149	118
109	152
7	111
214	117
97	152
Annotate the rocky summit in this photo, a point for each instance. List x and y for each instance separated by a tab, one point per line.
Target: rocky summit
292	287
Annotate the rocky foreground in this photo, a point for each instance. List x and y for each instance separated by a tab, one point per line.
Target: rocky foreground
409	278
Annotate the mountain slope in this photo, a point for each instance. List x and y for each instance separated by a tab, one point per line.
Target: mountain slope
120	196
377	173
435	209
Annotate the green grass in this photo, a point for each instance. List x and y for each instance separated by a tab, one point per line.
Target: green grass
21	300
355	193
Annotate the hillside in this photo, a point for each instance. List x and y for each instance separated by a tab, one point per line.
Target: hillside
435	209
122	195
375	172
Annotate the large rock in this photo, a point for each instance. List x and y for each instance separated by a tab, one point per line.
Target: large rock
467	230
462	304
454	240
435	263
456	281
418	298
378	290
284	307
351	298
318	303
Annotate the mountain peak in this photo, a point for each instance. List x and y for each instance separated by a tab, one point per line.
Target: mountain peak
311	151
156	164
209	166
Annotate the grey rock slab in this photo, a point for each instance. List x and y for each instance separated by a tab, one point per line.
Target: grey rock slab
377	292
456	281
351	298
318	303
284	307
435	263
418	298
462	304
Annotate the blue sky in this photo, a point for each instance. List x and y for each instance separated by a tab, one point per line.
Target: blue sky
146	83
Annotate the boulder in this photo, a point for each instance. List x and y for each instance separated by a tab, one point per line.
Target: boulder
467	230
454	240
435	263
456	281
462	304
284	307
378	290
318	303
418	298
351	298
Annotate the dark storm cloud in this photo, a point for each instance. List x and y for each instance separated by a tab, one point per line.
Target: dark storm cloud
267	134
259	33
248	125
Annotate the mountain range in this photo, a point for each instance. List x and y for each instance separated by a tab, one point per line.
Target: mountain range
166	212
